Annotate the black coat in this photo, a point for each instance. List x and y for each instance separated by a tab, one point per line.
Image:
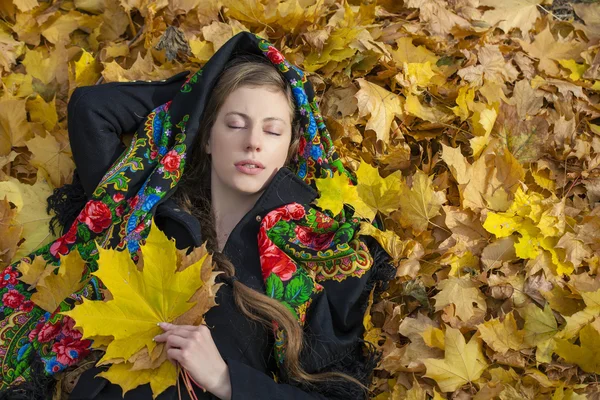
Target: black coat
98	117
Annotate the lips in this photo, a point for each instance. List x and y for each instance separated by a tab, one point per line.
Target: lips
249	163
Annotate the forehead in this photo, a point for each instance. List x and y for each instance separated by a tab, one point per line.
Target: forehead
258	103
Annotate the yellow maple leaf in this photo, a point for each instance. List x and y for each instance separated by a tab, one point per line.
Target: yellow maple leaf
407	52
463	362
414	107
334	192
52	289
511	14
463	293
464	102
42	112
549	50
389	240
434	337
10	233
577	70
587	355
53	156
459	262
336	48
159	379
420	203
377	193
371	194
32	273
540	328
43	64
537	221
483	119
11	50
86	70
540	325
372	333
418	75
503	336
581	318
19	85
202	50
140	299
381	104
30	201
14	129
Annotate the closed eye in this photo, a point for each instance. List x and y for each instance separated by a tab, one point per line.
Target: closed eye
242	127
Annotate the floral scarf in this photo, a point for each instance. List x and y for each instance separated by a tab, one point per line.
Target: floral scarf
299	246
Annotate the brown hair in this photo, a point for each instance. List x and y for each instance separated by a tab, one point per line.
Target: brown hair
194	194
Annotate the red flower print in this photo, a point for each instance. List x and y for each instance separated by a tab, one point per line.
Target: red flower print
117	197
274	55
120	210
133	201
60	245
278	262
171	161
69	350
49	331
323	221
33	334
294	210
302	145
272	259
287	212
153	155
270	219
8	277
96	215
27	306
68	328
313	240
12	299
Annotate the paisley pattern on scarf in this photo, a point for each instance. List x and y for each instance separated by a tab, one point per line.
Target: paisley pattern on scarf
299	247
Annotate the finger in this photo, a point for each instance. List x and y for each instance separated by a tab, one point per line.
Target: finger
164	337
175	355
177	341
168	326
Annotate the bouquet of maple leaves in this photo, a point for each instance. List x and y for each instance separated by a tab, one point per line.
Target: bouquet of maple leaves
166	285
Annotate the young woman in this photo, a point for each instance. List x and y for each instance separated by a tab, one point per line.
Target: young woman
297	279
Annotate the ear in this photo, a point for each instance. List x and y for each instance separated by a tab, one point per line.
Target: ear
207	147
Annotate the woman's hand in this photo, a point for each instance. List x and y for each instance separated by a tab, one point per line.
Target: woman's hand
193	347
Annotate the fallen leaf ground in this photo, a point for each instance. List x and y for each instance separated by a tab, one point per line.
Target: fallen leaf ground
483	113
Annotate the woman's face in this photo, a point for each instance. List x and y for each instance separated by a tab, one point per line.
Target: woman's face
253	126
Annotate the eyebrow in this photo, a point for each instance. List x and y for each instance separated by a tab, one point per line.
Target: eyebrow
248	117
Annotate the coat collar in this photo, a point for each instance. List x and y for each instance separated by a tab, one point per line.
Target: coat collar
285	188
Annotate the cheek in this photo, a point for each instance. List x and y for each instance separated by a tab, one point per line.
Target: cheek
280	152
220	145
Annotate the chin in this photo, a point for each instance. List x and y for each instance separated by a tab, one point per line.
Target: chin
248	186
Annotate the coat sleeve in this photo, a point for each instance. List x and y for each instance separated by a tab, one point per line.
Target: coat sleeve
99	115
333	340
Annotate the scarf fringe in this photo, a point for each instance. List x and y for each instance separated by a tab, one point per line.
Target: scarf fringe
356	363
363	357
39	385
67	202
383	271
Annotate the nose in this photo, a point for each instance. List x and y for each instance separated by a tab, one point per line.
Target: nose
254	139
